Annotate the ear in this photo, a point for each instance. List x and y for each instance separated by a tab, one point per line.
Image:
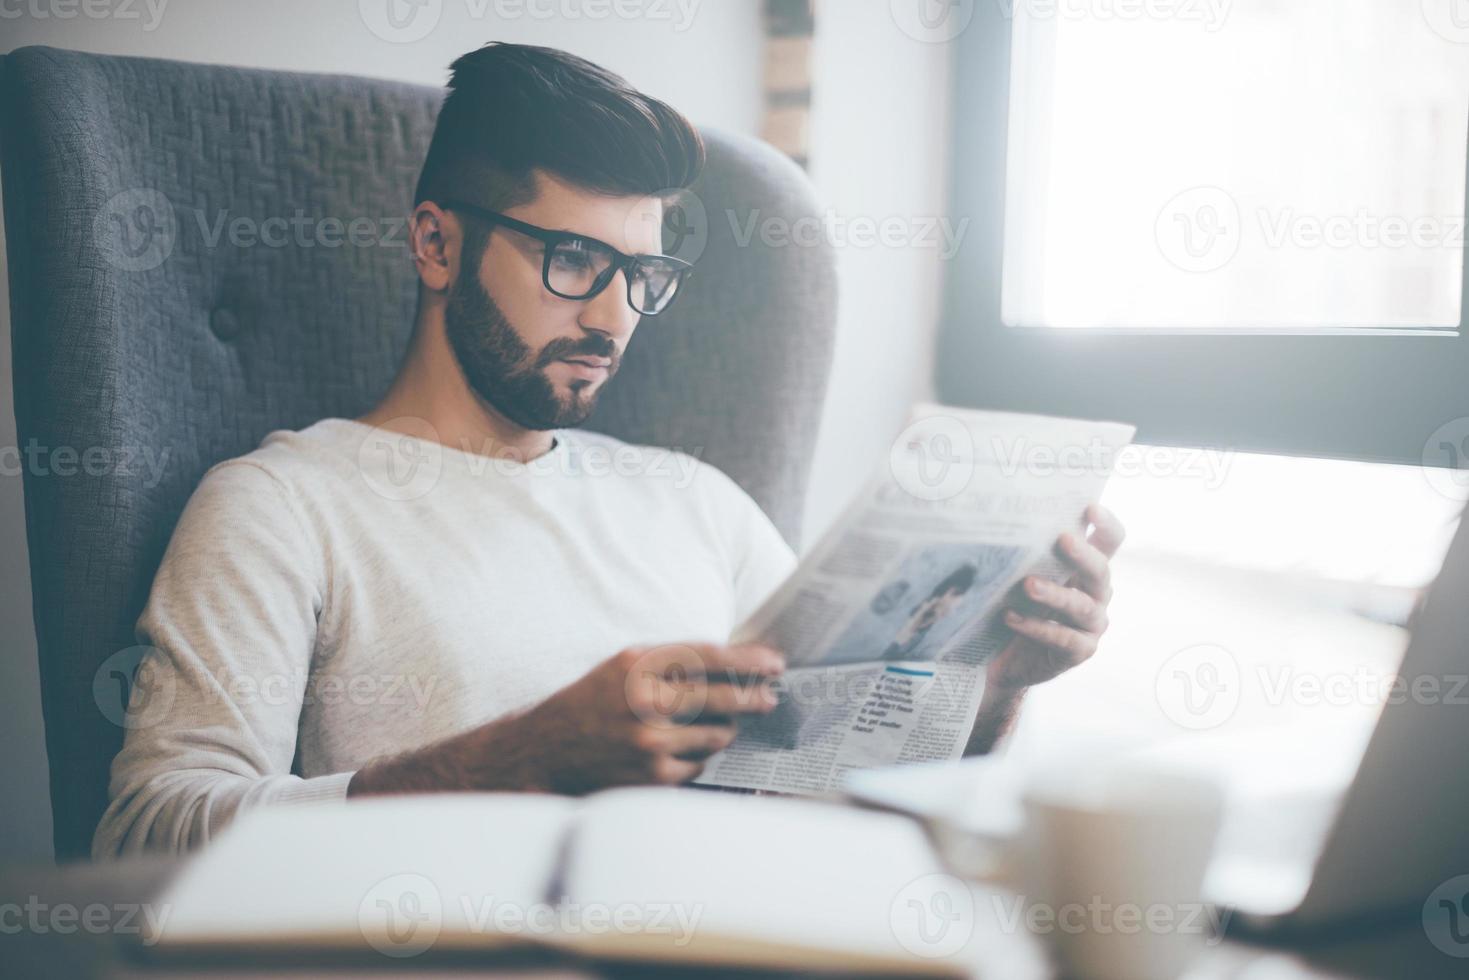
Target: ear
436	241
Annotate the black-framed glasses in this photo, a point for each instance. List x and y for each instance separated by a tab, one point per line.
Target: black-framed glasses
577	266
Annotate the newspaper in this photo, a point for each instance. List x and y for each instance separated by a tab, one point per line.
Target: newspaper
888	623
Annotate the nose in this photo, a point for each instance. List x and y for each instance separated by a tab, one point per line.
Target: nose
608	312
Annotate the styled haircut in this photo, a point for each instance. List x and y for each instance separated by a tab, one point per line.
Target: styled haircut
515	108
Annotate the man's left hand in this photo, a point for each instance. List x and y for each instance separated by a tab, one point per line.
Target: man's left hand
1074	613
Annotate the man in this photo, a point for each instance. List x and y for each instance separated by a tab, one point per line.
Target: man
322	629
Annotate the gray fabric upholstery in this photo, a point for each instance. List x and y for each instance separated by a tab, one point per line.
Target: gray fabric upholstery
200	348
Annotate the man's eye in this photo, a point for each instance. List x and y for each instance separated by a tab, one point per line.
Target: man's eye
571	255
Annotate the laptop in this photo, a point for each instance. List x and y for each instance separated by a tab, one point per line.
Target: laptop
1361	831
1398	830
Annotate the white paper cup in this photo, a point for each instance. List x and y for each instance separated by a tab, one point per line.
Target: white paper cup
1112	870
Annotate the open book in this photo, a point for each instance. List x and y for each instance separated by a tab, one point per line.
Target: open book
647	875
888	623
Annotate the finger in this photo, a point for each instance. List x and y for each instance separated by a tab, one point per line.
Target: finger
1094	569
741	698
714	660
714	701
695	742
1107	532
1071	643
1071	605
754	660
680	700
670	771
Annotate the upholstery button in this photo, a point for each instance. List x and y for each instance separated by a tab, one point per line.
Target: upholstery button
224	323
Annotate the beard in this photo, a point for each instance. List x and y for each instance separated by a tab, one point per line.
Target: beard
503	370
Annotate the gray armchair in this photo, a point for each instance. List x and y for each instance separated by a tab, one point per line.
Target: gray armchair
150	341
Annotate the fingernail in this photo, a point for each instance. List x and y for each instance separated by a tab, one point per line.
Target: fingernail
1035	587
1012	617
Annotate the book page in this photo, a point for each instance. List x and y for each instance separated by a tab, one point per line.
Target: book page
395	874
754	882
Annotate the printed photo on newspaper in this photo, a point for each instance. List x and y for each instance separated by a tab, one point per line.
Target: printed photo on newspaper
889	621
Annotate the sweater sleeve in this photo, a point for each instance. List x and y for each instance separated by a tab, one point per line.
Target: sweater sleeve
228	631
760	558
764	562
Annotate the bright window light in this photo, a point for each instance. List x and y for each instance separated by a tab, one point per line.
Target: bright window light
1334	520
1237	164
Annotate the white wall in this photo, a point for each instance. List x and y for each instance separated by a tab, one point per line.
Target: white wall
702	55
876	151
879	154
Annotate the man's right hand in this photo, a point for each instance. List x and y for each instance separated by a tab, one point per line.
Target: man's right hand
648	715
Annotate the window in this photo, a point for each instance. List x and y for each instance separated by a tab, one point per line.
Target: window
1258	164
1235	223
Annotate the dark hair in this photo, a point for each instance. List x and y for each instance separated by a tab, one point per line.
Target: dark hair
516	108
960	580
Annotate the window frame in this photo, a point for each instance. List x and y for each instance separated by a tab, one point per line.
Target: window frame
1387	392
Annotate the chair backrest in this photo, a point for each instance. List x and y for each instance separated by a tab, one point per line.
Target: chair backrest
162	323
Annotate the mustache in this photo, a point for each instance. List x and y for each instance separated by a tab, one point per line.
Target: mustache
595	345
